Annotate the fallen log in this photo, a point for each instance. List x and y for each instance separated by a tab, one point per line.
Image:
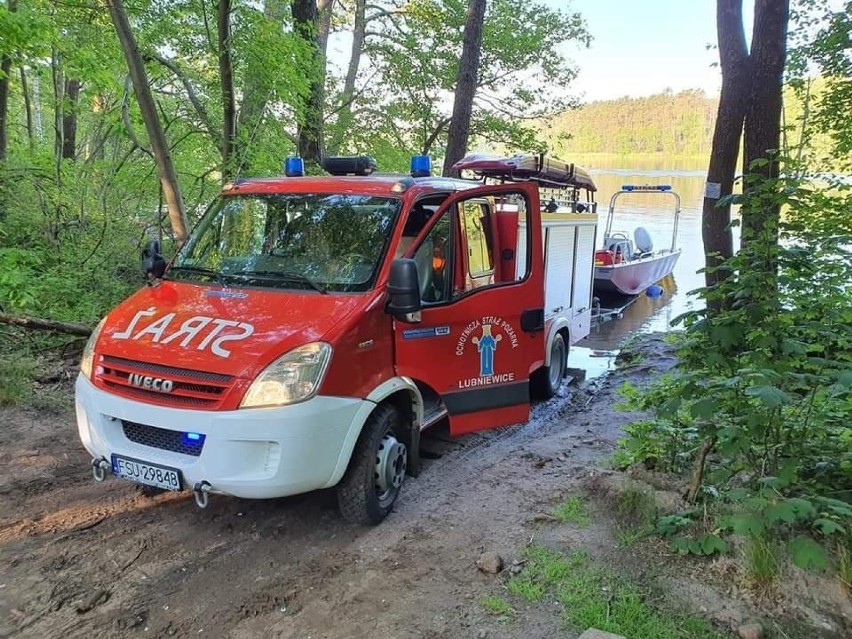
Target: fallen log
35	323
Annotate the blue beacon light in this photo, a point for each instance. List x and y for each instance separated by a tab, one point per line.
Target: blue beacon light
193	437
421	166
294	167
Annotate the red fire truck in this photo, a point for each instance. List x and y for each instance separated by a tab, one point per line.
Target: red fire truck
312	327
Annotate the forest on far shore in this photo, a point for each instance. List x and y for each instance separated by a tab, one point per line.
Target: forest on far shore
667	123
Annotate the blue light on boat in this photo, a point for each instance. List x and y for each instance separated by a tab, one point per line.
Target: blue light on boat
193	437
646	187
421	166
294	167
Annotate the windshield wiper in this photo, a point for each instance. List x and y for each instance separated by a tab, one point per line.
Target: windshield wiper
216	276
283	275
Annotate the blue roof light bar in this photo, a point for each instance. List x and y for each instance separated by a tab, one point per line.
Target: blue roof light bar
646	187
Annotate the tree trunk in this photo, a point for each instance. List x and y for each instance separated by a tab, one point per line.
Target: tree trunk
465	85
344	115
258	88
162	155
69	119
58	78
226	75
763	118
45	325
309	114
324	15
733	101
28	109
5	70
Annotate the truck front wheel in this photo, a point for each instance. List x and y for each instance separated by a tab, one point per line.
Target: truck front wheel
369	489
547	380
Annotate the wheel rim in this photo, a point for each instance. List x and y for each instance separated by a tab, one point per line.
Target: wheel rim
391	464
557	363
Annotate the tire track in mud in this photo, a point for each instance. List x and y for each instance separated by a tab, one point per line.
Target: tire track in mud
545	417
78	517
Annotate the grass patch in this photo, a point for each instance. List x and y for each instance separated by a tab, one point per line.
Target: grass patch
573	511
760	557
629	536
636	509
592	597
15	380
498	606
525	589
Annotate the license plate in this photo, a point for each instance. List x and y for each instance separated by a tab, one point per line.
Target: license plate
146	473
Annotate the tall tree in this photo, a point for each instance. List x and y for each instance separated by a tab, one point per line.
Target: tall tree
159	146
414	50
5	71
226	79
733	102
309	113
466	82
750	102
763	117
347	96
28	109
71	95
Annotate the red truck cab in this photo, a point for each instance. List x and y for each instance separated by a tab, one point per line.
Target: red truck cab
311	328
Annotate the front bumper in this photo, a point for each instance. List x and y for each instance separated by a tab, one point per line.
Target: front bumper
253	453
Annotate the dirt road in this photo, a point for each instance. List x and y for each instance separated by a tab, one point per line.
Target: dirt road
80	559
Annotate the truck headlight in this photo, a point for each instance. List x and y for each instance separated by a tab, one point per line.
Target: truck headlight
89	351
293	377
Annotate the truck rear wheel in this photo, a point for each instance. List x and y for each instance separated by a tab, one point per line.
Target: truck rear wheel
547	380
369	489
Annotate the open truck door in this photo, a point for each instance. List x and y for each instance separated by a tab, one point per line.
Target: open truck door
480	330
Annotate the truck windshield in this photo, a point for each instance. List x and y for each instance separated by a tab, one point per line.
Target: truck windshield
325	242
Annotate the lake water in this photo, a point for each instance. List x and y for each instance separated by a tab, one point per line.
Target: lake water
655	212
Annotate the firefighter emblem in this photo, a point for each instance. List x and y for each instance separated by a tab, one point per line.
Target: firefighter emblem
486	344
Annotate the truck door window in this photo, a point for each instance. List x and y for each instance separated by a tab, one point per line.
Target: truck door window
477	243
434	263
475	226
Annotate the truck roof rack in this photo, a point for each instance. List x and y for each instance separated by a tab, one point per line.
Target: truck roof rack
539	168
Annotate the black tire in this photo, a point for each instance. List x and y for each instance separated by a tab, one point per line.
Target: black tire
547	380
359	495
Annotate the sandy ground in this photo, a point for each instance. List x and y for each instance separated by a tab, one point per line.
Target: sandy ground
80	559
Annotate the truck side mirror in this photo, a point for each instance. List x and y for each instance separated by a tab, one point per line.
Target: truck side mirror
153	264
404	290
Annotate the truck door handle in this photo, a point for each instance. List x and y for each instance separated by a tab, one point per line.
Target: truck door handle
532	320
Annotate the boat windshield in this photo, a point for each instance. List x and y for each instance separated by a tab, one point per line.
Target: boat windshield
324	242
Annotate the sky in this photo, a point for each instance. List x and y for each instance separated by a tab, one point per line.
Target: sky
642	47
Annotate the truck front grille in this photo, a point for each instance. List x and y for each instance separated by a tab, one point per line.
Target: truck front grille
164	439
180	387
